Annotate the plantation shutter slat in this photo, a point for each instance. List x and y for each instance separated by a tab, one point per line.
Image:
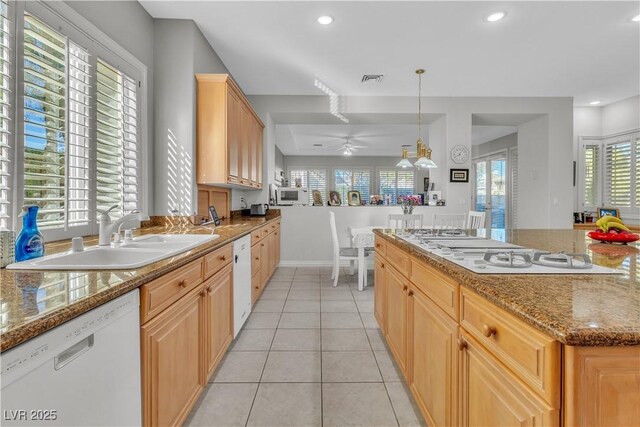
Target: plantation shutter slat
5	117
618	173
514	187
352	179
591	175
311	179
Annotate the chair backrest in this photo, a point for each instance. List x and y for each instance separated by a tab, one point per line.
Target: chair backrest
449	220
475	220
334	233
404	221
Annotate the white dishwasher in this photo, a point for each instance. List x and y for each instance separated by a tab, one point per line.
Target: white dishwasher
83	372
241	282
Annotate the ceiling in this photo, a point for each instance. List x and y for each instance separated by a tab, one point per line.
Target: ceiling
587	50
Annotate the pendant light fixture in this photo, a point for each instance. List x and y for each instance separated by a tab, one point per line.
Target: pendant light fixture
423	153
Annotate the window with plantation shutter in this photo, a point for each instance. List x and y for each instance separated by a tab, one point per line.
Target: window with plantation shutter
5	113
591	173
396	184
618	159
637	171
352	180
45	121
312	179
117	141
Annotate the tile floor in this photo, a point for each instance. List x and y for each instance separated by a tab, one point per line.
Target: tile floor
309	355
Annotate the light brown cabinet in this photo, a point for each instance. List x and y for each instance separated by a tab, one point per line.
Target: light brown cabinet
491	396
218	317
171	361
265	256
379	297
396	315
229	134
433	359
186	327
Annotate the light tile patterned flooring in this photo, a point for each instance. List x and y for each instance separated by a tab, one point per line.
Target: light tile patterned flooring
309	355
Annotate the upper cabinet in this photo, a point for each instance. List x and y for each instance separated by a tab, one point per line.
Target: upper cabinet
229	132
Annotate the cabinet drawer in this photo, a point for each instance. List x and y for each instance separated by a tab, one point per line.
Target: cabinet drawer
273	226
398	258
440	289
265	230
256	259
380	246
214	261
533	356
159	294
255	288
256	236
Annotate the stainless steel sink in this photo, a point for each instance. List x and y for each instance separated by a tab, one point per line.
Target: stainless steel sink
142	251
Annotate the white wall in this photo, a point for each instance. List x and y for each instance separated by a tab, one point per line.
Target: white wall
621	116
498	144
180	52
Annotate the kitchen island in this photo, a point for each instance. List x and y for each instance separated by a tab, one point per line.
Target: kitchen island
514	349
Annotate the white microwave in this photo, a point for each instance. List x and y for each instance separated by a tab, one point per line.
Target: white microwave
289	196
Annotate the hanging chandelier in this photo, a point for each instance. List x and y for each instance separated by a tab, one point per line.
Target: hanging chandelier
423	153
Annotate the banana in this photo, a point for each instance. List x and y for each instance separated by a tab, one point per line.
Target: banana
610	218
617	226
609	221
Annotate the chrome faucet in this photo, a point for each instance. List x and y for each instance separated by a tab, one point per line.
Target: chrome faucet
107	226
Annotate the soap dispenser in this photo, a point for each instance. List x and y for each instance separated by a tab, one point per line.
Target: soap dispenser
30	243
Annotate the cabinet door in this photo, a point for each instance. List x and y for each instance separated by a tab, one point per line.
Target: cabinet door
265	261
258	151
246	132
379	293
396	315
219	316
433	359
491	396
233	135
276	238
171	361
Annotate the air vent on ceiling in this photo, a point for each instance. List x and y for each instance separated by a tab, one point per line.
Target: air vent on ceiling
317	145
372	78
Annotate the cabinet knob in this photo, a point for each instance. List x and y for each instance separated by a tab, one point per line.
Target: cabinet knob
410	293
223	257
382	265
262	245
257	287
377	245
404	287
182	283
209	289
488	330
462	344
257	259
203	293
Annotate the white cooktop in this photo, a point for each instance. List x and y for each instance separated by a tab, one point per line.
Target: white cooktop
468	253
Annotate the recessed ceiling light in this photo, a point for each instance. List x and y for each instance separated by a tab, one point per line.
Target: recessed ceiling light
325	20
636	18
495	16
595	102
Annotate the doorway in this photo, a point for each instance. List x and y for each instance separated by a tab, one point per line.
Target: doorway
491	190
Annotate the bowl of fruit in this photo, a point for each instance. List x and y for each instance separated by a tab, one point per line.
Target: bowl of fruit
611	229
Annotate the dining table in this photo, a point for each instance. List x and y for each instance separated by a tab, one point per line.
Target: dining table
363	238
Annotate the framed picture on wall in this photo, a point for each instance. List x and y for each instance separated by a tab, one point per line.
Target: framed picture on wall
608	211
458	175
317	197
426	184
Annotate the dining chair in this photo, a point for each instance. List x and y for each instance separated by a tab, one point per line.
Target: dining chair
349	254
404	221
449	220
475	220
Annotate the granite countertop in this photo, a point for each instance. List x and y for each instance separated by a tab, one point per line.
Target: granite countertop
577	310
32	302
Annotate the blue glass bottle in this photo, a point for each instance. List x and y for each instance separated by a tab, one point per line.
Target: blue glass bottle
30	243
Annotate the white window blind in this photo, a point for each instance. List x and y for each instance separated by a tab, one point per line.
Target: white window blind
618	173
396	183
45	121
5	113
117	140
312	179
591	161
637	162
513	197
352	180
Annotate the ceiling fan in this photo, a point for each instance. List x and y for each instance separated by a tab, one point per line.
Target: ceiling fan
348	148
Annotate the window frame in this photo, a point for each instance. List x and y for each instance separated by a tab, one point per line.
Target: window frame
395	171
11	122
369	169
306	169
74	26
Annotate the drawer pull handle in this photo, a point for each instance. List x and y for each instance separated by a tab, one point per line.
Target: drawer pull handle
488	330
404	287
209	289
382	265
257	259
203	293
223	257
462	344
410	293
257	287
183	283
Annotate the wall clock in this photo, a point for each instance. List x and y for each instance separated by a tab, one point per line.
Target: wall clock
459	154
